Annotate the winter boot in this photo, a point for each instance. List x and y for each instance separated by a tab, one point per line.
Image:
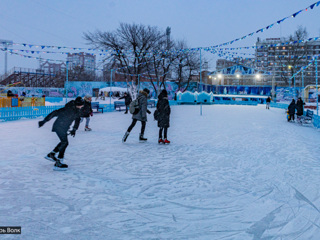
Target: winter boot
166	141
51	157
87	129
124	139
58	166
142	139
160	141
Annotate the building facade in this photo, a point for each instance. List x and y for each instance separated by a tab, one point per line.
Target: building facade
85	60
283	58
49	67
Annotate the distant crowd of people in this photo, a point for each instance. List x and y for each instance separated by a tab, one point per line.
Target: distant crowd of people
79	109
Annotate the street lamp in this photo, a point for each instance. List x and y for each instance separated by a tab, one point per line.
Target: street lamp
238	76
258	76
220	77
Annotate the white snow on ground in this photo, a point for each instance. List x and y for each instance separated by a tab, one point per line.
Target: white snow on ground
237	172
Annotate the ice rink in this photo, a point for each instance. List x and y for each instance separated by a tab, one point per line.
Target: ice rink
236	172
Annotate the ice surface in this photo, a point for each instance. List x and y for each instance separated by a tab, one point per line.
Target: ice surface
237	172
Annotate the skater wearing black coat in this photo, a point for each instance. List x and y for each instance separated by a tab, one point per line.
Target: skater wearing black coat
299	107
127	100
163	117
141	115
292	110
66	115
268	102
86	111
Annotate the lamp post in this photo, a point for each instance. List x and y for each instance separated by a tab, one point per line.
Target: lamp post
110	87
238	76
200	83
66	86
6	43
302	81
316	63
258	76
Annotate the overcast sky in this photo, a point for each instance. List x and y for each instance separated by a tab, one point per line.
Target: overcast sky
200	23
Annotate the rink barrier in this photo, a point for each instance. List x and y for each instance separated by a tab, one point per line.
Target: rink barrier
316	121
11	114
279	105
316	118
226	102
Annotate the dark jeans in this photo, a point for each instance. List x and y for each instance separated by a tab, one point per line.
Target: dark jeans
61	147
134	121
127	107
164	132
292	117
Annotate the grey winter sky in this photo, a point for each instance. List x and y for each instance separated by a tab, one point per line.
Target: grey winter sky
200	22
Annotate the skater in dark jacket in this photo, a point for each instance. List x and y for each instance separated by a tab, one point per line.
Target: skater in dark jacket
86	111
66	115
292	110
268	102
141	115
163	117
299	107
127	100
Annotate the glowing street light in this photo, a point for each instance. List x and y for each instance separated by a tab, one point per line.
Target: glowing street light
258	76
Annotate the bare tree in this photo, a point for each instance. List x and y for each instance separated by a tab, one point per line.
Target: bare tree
294	54
78	73
187	64
159	64
129	47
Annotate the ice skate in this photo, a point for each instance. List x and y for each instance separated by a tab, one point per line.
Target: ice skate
166	141
51	157
58	166
160	141
142	139
87	129
124	139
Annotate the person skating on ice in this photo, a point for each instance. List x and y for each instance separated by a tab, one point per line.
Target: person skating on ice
268	102
163	116
292	110
86	111
66	115
127	100
140	115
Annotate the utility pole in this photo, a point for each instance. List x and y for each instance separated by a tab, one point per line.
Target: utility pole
273	83
6	43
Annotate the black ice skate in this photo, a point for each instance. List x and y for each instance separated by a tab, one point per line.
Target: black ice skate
51	157
58	166
124	139
142	139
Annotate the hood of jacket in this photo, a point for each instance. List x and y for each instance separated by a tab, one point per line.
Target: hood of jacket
144	93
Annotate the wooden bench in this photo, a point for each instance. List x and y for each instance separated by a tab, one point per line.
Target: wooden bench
118	105
95	105
307	119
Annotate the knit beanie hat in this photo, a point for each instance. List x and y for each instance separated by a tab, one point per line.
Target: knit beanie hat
79	101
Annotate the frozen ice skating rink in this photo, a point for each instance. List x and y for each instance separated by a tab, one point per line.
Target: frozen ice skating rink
237	172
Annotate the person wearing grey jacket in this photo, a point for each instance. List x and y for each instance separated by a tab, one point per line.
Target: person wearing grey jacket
141	115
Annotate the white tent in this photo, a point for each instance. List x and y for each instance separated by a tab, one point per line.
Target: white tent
113	89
